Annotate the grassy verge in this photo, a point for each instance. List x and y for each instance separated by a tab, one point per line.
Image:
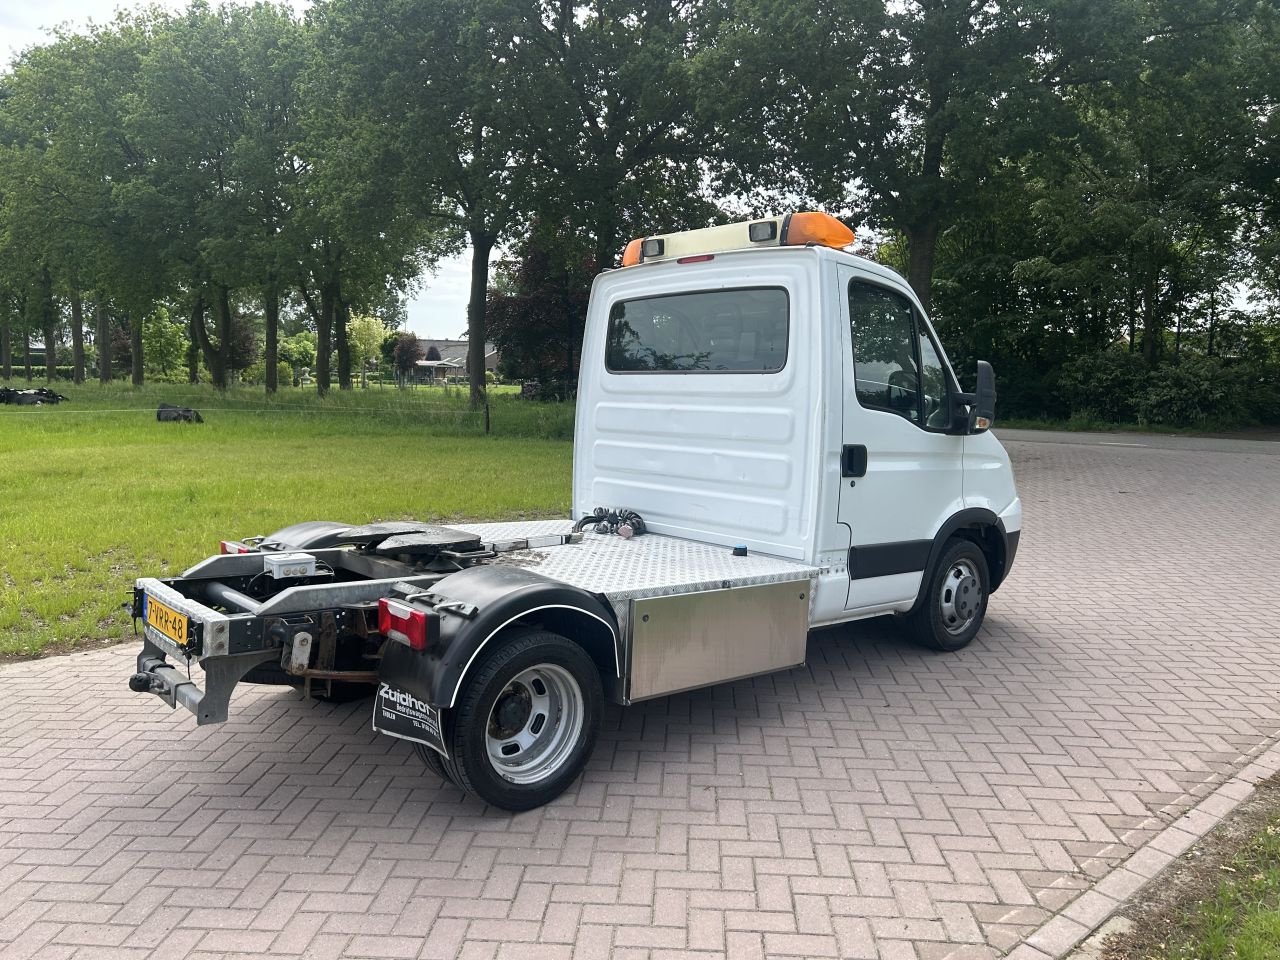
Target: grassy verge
1241	920
96	492
1221	901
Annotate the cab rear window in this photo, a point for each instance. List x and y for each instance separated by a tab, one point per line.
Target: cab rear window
713	331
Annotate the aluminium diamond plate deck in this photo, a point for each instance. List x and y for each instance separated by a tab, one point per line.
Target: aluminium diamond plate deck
647	566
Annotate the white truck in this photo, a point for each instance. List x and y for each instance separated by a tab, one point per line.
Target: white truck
769	438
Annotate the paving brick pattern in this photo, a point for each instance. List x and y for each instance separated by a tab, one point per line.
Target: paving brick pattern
882	802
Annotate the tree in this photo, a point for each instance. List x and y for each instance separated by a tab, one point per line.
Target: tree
539	312
465	149
628	159
405	355
164	342
216	91
365	335
898	111
299	350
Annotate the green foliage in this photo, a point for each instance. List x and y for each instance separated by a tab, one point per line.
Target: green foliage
365	334
1057	179
299	350
1194	392
164	342
1118	387
538	311
405	355
256	373
1105	386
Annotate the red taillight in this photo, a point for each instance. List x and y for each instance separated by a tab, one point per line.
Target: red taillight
404	624
700	258
233	546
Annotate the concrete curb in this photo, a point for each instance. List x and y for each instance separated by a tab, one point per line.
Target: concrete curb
1061	934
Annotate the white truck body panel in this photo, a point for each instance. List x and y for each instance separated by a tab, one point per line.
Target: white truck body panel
722	458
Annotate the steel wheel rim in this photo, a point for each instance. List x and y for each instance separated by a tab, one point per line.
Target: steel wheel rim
534	724
960	598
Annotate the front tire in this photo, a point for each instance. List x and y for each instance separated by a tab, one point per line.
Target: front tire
954	604
526	721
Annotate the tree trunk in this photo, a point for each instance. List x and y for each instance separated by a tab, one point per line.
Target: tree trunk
324	336
922	244
1213	318
1133	306
215	357
77	336
1151	325
481	245
342	316
200	345
6	347
48	322
135	348
271	310
102	337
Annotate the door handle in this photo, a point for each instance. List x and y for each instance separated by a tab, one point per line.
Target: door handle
853	460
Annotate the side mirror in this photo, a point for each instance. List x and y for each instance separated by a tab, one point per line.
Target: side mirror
982	412
975	412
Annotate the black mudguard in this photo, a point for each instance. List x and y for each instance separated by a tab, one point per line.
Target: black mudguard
474	606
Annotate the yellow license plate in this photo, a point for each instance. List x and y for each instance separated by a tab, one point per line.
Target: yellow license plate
167	620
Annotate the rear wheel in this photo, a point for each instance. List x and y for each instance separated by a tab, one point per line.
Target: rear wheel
526	721
955	599
432	760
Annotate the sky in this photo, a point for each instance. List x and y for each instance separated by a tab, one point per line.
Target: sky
439	307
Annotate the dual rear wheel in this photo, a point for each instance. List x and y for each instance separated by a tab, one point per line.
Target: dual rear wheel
525	722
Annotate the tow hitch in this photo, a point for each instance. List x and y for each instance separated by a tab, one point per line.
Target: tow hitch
221	674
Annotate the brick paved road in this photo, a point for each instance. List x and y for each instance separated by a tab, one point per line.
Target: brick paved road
881	802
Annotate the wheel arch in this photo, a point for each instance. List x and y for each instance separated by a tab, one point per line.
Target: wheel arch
985	530
503	599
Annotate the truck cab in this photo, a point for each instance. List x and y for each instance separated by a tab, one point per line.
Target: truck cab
769	438
790	397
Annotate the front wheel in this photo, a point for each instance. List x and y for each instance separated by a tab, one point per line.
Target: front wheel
955	599
526	721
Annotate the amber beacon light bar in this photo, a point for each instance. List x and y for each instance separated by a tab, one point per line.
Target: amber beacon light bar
789	230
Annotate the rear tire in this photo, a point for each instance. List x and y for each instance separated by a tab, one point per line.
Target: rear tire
526	721
432	761
954	604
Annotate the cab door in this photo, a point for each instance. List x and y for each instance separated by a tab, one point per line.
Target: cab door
902	475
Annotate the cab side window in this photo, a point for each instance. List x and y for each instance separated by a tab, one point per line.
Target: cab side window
886	376
897	366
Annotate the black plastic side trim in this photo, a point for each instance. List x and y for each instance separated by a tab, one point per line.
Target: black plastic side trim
886	559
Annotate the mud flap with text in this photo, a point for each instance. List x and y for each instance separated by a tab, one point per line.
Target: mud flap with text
399	713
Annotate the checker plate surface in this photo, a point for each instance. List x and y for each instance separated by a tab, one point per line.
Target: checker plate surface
647	566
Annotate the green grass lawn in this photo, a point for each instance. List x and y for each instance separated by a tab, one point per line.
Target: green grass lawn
1241	920
96	492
